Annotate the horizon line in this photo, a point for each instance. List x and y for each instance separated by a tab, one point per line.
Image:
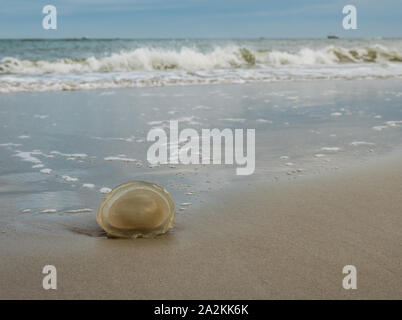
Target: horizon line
197	38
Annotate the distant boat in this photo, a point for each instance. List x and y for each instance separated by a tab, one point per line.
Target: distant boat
332	36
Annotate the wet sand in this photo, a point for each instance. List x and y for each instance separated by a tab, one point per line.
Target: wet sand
272	241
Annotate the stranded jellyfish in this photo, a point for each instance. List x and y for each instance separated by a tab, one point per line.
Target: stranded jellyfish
136	209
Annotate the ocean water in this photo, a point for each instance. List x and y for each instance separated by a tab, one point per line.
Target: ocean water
71	64
60	151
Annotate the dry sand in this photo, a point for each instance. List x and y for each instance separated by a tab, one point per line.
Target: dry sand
284	240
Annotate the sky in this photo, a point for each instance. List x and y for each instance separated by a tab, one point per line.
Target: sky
199	18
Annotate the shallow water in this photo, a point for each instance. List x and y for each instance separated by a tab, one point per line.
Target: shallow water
302	128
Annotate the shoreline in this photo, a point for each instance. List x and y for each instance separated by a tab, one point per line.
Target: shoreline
286	241
114	88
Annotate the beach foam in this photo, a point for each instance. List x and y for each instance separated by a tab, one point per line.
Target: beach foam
69	155
361	143
10	144
27	157
124	159
78	211
49	211
105	190
69	179
129	139
46	171
331	149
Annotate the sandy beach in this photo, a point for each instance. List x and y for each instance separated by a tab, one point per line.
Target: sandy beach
325	193
284	241
201	150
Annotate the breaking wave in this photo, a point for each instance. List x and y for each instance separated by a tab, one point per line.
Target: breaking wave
154	59
147	66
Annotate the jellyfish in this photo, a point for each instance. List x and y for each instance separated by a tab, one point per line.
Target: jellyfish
136	209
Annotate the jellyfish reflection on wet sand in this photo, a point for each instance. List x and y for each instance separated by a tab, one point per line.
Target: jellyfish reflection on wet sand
136	209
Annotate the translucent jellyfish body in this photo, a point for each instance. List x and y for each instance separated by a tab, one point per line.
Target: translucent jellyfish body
136	209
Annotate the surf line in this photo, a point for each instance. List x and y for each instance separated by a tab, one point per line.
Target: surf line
190	147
